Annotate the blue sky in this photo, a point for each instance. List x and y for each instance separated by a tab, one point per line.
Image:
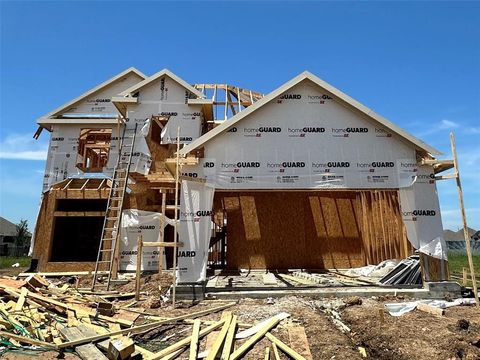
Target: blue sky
416	63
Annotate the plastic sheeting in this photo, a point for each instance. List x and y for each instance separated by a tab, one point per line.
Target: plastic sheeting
306	140
134	224
194	230
421	214
398	309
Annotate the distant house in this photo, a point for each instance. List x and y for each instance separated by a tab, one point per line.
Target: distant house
456	242
8	233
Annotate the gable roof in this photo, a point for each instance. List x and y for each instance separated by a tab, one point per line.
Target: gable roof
133	89
93	90
329	88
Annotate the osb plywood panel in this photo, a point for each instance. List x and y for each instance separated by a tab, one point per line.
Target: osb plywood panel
292	230
68	266
44	230
314	229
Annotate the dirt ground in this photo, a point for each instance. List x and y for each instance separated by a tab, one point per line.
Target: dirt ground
416	335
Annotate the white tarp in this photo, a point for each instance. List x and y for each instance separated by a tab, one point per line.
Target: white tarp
398	309
306	140
194	230
421	214
134	224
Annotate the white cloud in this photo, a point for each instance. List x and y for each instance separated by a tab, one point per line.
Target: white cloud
474	130
448	124
23	147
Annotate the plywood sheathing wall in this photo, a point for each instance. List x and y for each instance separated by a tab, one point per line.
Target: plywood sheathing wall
315	230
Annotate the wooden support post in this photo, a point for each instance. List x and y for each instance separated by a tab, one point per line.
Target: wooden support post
464	218
139	267
175	234
162	230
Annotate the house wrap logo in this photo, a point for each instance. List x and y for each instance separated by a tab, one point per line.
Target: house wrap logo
382	133
96	101
302	132
370	167
318	99
186	253
235	167
345	132
232	130
208	164
418	213
426	178
280	167
327	166
58	138
195	215
169	113
193	115
288	97
190	174
146	227
257	132
163	89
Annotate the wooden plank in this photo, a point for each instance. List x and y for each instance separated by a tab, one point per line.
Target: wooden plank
298	341
145	327
86	352
186	341
21	299
139	267
271	323
161	244
212	354
194	340
267	353
276	355
227	347
284	347
297	279
464	220
61	273
430	309
26	340
176	219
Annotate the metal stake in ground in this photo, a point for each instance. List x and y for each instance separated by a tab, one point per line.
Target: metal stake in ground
464	218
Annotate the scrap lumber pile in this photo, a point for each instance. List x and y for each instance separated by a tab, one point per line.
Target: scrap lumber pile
39	315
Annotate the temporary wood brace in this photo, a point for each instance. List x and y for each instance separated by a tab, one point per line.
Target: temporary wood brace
456	175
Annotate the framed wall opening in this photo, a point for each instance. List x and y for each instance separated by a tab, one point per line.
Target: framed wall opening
306	229
93	149
76	238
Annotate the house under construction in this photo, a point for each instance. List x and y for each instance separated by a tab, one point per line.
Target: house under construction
304	177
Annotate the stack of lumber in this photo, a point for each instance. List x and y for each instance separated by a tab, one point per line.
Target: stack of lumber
38	315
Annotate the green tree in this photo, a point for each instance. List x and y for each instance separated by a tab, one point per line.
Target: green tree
23	235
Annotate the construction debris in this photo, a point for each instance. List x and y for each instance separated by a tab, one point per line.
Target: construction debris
42	315
407	272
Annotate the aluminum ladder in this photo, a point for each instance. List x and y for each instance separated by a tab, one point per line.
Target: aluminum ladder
113	214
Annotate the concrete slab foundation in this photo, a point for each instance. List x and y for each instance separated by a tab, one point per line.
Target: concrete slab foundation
436	290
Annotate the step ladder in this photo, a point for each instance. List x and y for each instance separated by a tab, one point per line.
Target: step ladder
113	214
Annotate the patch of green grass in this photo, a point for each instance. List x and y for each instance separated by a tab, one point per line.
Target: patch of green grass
457	261
8	261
